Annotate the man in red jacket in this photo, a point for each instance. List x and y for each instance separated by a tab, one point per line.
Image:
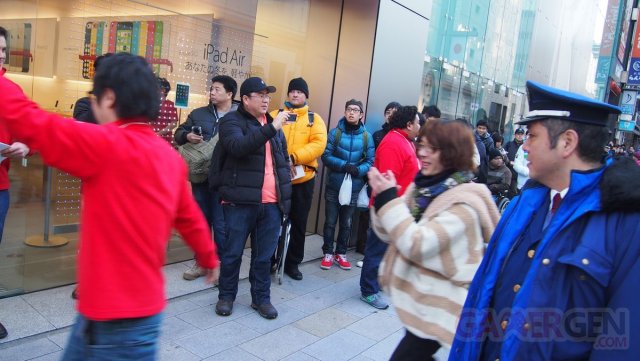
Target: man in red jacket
134	191
396	153
15	150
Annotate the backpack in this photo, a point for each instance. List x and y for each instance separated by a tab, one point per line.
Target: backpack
198	158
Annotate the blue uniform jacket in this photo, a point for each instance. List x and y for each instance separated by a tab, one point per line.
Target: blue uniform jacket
587	261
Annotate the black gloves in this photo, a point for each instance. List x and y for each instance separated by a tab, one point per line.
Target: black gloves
351	169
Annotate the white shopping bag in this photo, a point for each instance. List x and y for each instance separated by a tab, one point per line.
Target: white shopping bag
363	197
344	197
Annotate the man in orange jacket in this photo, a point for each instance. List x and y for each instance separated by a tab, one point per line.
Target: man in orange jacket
134	191
306	140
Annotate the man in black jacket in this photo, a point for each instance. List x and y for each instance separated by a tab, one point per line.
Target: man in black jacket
388	112
256	194
82	108
205	121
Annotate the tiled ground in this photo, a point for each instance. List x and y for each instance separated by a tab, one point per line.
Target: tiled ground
320	318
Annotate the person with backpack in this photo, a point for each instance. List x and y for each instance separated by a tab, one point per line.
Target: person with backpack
197	138
306	140
350	151
396	154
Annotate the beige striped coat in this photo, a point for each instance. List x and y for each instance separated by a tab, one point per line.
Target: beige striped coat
429	264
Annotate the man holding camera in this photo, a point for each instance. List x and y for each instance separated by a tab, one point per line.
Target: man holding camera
255	187
306	139
202	125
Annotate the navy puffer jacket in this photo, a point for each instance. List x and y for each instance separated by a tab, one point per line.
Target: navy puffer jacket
350	150
243	139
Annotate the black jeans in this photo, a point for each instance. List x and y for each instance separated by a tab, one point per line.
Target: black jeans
301	197
414	348
334	213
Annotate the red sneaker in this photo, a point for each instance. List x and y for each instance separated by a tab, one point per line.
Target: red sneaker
327	261
341	260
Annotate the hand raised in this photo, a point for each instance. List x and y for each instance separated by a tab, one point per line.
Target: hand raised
381	182
280	119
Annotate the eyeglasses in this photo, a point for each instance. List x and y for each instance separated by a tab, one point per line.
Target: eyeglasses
353	110
262	97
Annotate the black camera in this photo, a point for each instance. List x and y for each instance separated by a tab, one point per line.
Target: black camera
197	130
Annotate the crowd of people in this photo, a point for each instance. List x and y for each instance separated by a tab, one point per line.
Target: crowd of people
459	275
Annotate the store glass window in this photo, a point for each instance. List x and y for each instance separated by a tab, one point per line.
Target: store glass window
53	45
470	70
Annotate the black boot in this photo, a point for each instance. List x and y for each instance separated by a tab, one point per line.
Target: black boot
3	332
291	269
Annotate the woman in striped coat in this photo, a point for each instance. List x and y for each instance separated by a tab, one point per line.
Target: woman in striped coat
436	233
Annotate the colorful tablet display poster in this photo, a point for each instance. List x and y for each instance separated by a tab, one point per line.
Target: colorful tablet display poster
142	38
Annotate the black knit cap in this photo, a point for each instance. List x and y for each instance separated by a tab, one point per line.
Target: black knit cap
298	84
494	153
392	105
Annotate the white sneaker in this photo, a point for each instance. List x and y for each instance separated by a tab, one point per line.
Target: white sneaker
194	272
359	264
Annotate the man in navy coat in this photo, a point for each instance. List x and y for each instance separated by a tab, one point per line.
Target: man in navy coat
559	277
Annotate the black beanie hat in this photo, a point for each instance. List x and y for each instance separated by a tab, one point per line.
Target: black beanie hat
299	84
494	153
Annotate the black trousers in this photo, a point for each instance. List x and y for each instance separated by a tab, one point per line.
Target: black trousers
414	348
301	197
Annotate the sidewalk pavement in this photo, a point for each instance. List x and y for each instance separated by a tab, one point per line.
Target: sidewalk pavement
320	318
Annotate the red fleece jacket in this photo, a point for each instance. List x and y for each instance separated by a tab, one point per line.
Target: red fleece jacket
134	190
397	154
5	138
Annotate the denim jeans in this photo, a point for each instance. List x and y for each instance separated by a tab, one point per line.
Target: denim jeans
263	222
333	213
125	339
4	208
203	197
374	250
211	207
217	220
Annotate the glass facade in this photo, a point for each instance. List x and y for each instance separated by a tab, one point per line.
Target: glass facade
475	63
52	48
